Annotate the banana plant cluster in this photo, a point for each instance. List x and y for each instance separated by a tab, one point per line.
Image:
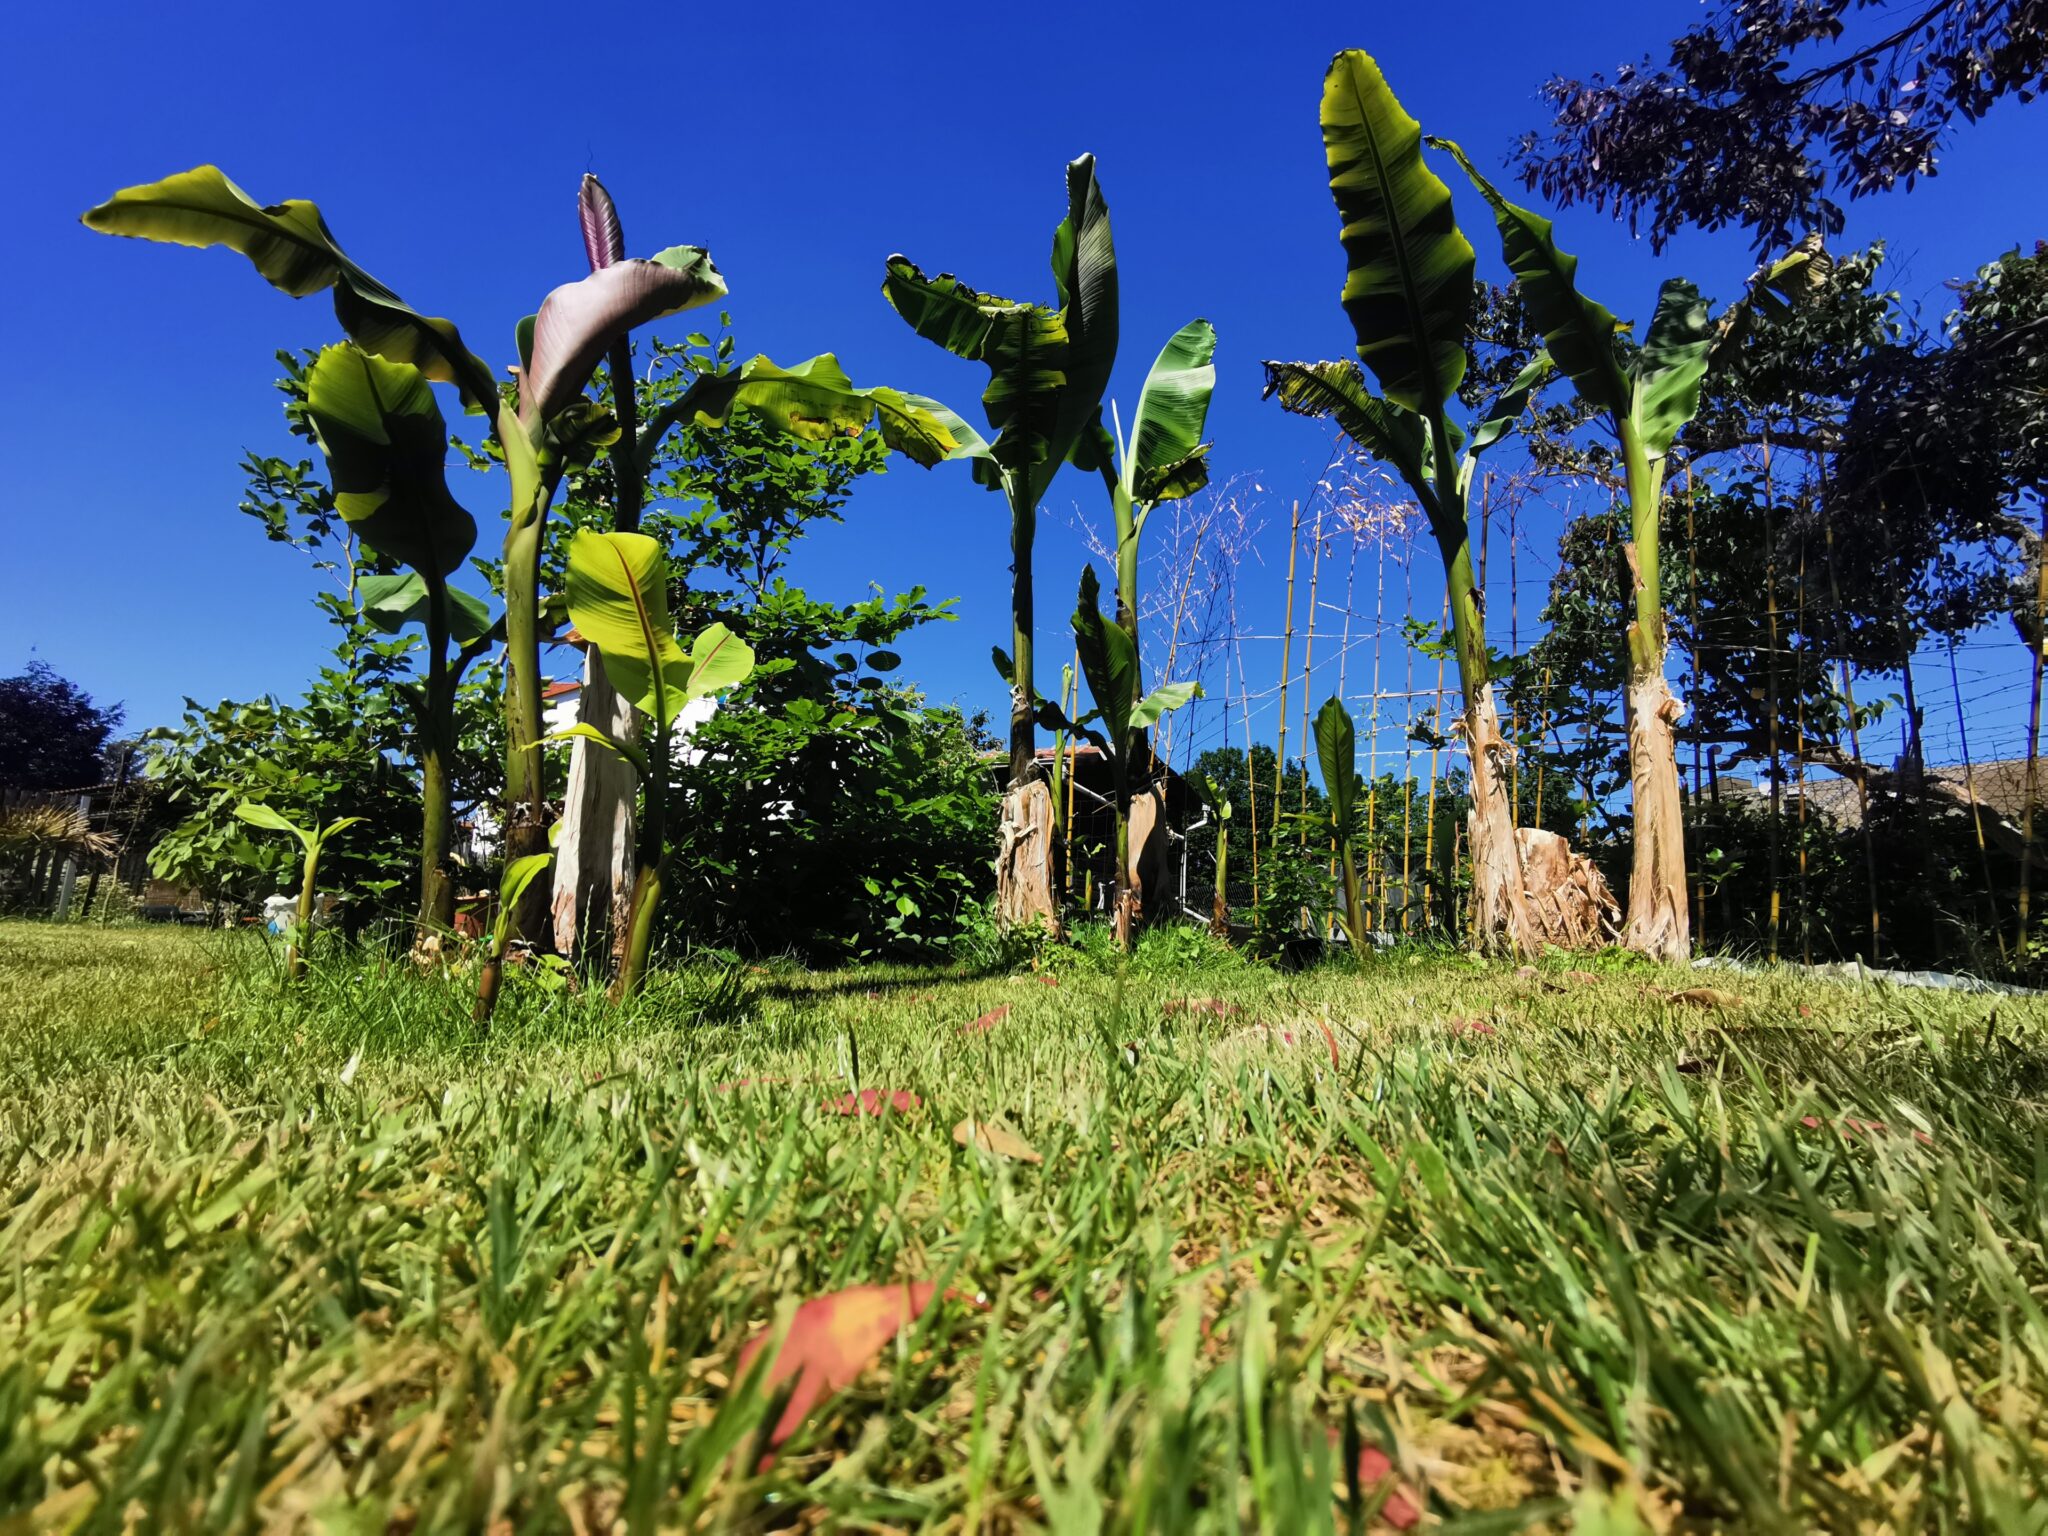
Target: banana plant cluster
1109	662
384	439
1337	755
1048	367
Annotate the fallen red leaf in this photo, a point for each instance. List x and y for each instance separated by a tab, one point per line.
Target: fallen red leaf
831	1340
1050	981
872	1101
1463	1026
1374	1470
987	1021
1210	1005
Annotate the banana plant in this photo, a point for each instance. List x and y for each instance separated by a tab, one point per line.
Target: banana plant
618	597
1047	369
311	841
1109	661
812	401
1408	291
542	428
1337	753
1647	395
1211	794
383	438
518	875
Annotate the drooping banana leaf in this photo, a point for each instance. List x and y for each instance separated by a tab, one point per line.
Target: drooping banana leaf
1108	660
1338	390
1578	332
1168	458
579	321
391	602
1023	346
1408	284
1508	405
814	401
1667	372
290	245
385	445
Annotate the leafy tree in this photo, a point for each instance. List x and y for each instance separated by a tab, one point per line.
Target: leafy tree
1767	107
52	734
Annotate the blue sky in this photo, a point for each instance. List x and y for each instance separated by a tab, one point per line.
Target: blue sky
802	145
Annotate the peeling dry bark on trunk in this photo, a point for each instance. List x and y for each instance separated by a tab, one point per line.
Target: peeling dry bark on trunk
1501	919
1569	899
593	874
1024	864
1146	842
1659	917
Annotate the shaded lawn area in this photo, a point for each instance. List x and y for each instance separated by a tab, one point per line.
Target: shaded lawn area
1431	1238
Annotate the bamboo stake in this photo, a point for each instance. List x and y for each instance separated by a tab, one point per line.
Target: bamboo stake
1542	724
2033	732
1976	814
1799	768
1408	752
1856	744
1308	655
1373	861
1429	821
1286	661
1343	679
1073	754
1771	705
1514	649
1693	855
1251	780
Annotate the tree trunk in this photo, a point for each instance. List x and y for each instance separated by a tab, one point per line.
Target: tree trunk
1024	850
436	915
1501	920
1659	915
1141	861
1024	891
593	874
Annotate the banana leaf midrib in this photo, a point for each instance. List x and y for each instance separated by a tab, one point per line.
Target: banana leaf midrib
1425	355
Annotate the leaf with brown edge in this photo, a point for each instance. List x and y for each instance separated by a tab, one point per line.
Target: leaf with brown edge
831	1340
873	1101
987	1021
995	1141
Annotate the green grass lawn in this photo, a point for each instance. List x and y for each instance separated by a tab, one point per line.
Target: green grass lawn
1562	1249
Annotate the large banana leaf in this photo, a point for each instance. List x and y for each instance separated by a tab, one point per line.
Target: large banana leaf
1337	390
1168	458
815	400
617	591
604	237
1578	332
1023	346
1084	274
385	444
1667	371
290	245
1408	287
1337	752
579	321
